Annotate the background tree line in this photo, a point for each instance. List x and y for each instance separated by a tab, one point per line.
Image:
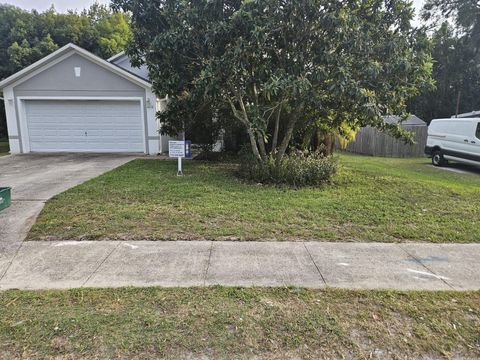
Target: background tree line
455	35
27	36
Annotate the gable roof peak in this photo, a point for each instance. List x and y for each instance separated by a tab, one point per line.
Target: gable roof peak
43	62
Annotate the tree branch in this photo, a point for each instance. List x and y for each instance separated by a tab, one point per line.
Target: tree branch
276	130
288	135
261	145
243	117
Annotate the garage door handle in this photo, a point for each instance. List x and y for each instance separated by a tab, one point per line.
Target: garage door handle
85	133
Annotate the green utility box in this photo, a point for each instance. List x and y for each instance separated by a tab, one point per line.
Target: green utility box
5	197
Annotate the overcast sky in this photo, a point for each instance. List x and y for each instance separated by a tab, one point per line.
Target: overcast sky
63	5
60	5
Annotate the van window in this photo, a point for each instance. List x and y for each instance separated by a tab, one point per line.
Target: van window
477	133
451	127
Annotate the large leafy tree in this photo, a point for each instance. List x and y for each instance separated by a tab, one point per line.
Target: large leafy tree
281	64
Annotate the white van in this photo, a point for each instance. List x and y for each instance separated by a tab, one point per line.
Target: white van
456	139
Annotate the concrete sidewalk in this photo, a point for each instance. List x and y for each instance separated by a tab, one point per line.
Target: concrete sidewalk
68	264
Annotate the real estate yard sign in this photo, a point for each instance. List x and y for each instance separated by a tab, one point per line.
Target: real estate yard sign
179	149
176	149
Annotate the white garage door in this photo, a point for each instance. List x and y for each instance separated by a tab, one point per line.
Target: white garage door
84	126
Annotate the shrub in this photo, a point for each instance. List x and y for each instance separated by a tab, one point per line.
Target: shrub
296	169
221	156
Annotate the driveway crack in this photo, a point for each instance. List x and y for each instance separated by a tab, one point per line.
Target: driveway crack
100	264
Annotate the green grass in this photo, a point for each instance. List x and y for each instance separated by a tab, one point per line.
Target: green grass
238	323
4	148
370	199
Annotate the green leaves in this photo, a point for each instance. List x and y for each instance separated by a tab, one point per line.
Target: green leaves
354	61
455	52
26	37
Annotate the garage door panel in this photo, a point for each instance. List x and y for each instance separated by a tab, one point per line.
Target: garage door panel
74	125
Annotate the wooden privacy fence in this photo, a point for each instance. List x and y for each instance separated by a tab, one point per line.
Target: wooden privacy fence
370	141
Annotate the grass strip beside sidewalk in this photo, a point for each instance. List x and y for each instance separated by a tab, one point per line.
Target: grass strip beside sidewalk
238	322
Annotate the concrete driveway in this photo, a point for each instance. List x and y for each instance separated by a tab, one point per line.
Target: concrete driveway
35	178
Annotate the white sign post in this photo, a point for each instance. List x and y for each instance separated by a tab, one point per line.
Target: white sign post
176	149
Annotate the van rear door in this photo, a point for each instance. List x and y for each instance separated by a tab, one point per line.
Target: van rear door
469	147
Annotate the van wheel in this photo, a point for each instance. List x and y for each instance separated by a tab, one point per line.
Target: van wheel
438	159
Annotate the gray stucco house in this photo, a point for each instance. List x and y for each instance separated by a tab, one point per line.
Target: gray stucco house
74	101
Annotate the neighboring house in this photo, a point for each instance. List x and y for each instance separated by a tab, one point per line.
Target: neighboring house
123	61
370	141
74	101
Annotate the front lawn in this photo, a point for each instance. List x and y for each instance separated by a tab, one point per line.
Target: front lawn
275	323
4	148
371	199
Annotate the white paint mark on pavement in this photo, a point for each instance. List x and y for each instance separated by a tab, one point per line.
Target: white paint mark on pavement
343	264
428	274
72	243
131	246
419	278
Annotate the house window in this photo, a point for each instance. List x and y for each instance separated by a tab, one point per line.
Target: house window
477	133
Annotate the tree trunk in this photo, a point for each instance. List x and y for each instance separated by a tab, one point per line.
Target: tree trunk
328	144
276	130
286	140
288	135
253	144
243	117
308	141
261	145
